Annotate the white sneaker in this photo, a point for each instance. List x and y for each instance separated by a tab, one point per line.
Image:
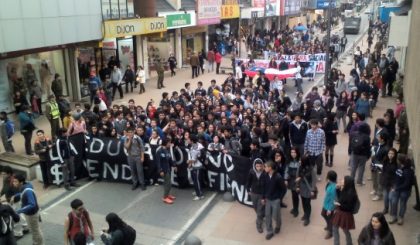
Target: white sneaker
196	198
202	197
193	194
373	192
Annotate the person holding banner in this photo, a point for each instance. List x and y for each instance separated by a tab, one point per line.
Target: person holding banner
135	150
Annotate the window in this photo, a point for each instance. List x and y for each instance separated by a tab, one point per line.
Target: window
117	9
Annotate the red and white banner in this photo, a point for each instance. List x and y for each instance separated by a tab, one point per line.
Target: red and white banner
208	12
270	73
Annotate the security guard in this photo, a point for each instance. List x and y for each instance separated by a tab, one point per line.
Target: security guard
53	114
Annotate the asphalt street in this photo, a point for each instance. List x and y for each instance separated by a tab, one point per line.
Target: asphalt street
155	222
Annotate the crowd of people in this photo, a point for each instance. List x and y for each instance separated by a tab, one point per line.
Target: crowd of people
288	140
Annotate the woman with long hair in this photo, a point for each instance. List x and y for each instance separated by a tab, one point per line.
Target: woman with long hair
388	176
345	207
306	187
376	232
290	176
115	233
328	204
342	104
331	130
401	190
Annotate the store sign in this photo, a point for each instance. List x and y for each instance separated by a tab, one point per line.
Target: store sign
178	20
208	12
131	27
323	4
230	11
271	7
258	3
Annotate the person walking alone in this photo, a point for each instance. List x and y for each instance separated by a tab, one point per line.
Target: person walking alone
218	59
141	79
172	64
210	60
116	78
161	74
129	79
78	221
194	62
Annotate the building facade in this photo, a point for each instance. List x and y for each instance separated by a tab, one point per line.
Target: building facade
39	39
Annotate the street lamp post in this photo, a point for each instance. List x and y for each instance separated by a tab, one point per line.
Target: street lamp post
327	54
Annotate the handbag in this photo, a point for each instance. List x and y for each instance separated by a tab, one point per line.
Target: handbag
314	192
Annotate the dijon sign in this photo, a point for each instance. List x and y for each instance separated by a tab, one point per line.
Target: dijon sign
132	27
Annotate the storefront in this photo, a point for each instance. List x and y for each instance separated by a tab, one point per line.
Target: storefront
221	35
291	9
121	37
192	39
17	73
171	42
159	47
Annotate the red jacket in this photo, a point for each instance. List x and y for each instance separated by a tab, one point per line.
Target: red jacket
210	56
218	57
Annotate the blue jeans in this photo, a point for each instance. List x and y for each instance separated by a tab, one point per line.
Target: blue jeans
402	198
387	198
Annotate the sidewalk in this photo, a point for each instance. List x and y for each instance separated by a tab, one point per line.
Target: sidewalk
234	223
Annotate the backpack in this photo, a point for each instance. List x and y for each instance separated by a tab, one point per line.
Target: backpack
10	128
356	143
129	235
6	223
356	206
70	216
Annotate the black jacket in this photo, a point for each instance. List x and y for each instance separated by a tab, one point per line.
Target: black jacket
404	179
347	202
163	160
255	184
388	174
6	210
381	152
298	135
274	186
